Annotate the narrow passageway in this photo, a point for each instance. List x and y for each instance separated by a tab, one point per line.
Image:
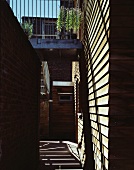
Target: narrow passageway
56	155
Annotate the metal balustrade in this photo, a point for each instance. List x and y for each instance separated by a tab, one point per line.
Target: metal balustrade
41	14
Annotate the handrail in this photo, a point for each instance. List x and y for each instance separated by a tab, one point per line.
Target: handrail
44	35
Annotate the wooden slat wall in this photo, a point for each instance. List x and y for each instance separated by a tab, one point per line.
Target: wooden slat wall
79	121
110	65
121	113
76	79
96	49
81	142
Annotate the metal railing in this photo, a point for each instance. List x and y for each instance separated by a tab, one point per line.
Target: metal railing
41	14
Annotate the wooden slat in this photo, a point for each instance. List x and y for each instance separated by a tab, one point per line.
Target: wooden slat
96	47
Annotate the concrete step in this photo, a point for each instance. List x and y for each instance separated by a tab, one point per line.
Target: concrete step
58	155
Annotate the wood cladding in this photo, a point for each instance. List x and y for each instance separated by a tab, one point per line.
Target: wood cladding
78	109
121	110
96	49
109	49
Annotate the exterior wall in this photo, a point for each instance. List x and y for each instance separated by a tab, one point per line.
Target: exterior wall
44	119
46	77
76	81
96	51
108	49
62	117
79	116
81	142
44	101
60	67
121	111
43	88
19	94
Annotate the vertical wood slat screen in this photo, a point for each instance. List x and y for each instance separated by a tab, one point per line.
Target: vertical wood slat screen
81	140
96	49
76	80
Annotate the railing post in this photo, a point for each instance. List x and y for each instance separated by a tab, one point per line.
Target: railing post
42	14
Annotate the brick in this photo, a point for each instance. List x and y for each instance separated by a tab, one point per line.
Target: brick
19	94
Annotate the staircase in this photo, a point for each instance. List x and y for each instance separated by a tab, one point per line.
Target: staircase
56	155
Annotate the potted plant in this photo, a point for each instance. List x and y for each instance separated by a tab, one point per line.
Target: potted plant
60	24
68	23
28	28
73	20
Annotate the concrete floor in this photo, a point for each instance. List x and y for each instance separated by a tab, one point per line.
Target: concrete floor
56	155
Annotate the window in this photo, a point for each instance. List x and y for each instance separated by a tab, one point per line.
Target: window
65	97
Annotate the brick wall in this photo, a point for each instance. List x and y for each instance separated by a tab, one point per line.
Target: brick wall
60	69
62	117
44	119
60	64
19	91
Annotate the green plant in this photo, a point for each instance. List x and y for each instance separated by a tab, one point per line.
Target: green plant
28	28
61	19
73	19
69	19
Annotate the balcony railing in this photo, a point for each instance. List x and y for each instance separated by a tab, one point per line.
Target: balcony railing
42	15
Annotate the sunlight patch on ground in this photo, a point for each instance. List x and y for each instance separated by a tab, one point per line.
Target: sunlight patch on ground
52	148
55	155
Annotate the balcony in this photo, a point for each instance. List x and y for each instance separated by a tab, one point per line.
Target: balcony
49	25
48	17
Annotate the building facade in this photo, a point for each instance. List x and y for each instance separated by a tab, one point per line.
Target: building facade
107	36
103	86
